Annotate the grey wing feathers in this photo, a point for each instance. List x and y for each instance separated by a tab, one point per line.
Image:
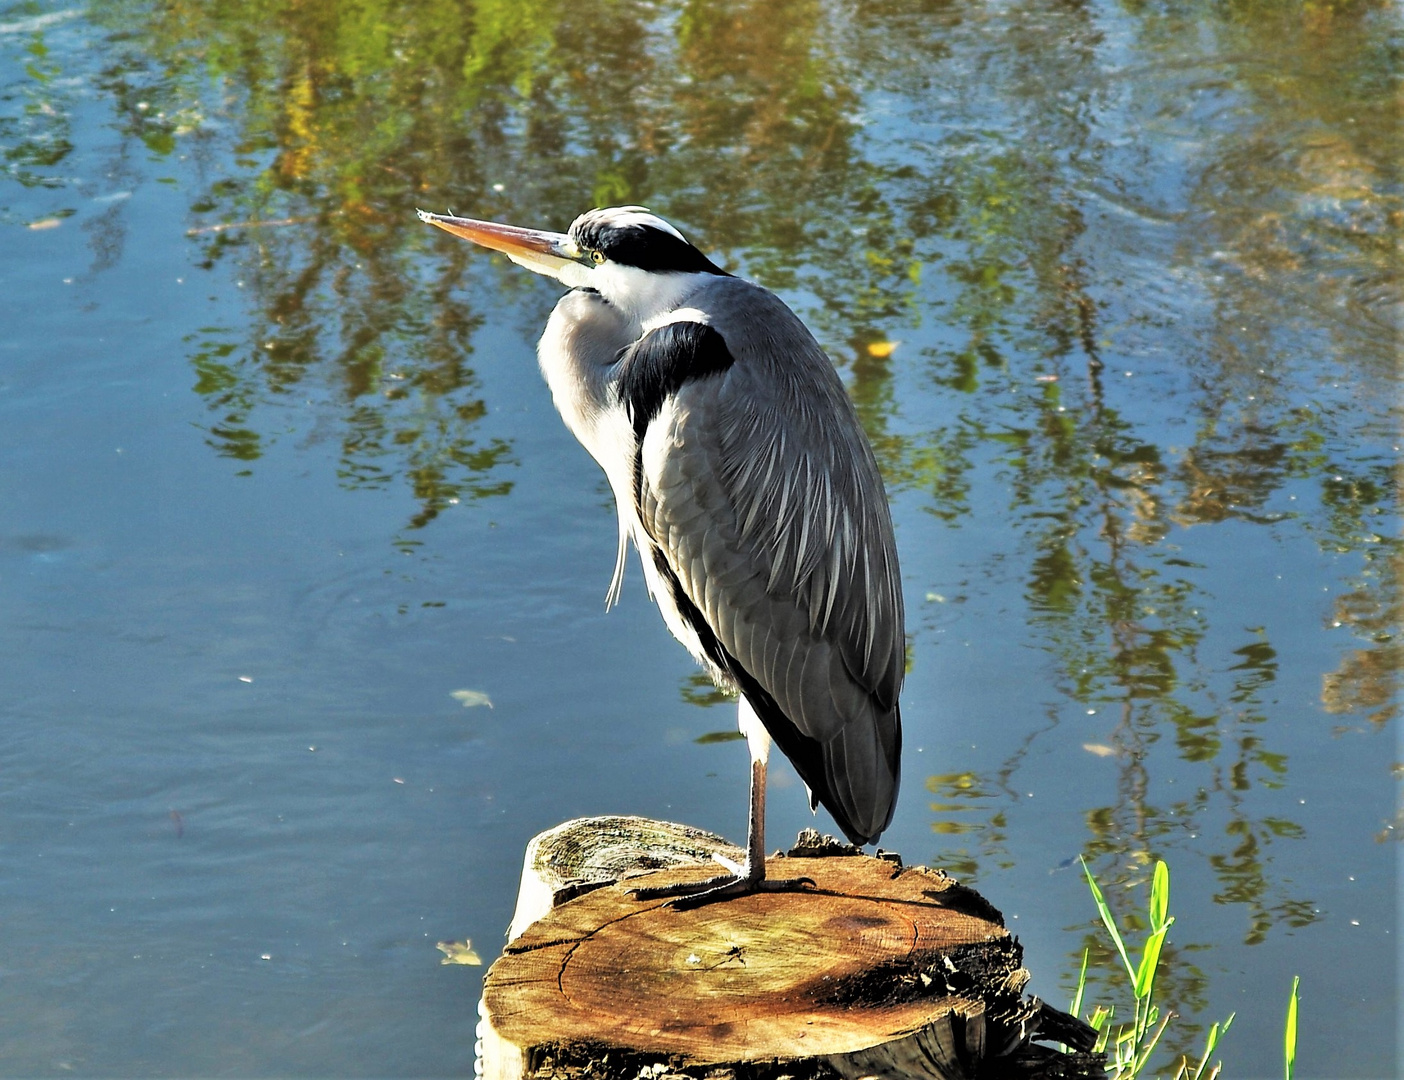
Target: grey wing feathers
808	498
764	498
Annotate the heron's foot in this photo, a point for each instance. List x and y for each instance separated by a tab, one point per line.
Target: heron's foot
687	895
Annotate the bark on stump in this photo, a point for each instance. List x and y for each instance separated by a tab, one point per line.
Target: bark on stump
879	970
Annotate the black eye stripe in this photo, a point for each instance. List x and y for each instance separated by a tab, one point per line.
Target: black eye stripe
644	247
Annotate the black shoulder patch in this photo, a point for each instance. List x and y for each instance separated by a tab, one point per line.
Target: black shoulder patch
661	363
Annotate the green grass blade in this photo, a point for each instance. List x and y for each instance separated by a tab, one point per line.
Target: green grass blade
1150	960
1160	895
1145	1050
1076	1008
1100	1022
1209	1044
1107	919
1289	1035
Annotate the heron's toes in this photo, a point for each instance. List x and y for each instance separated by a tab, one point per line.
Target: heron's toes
682	888
794	884
709	892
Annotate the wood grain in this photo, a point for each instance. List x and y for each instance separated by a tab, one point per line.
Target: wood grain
875	952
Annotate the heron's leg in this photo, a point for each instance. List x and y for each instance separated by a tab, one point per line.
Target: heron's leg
754	868
758	742
749	877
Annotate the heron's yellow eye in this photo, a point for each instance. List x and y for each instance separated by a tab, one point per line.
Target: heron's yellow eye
597	257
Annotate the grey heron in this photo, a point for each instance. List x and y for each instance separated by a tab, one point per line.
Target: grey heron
741	474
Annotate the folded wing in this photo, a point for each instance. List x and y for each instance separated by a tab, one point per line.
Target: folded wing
761	504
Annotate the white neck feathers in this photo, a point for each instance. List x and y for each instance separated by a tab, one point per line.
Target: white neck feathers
643	296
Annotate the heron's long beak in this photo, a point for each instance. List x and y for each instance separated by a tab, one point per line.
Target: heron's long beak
553	254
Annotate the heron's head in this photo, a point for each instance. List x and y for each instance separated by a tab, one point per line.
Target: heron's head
629	254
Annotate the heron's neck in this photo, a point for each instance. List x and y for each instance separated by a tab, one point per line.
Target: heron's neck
644	296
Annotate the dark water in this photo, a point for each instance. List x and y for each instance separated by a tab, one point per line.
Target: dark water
278	477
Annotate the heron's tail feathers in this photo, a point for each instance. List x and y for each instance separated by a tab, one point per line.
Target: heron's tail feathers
861	775
855	773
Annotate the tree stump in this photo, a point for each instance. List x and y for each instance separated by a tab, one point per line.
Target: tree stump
879	970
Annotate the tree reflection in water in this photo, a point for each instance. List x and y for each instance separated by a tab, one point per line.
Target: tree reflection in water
1030	192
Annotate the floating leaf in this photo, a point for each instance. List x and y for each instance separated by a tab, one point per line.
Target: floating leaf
1100	749
458	952
882	349
470	698
46	223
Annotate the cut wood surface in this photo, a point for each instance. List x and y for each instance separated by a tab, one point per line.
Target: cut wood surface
875	965
824	971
